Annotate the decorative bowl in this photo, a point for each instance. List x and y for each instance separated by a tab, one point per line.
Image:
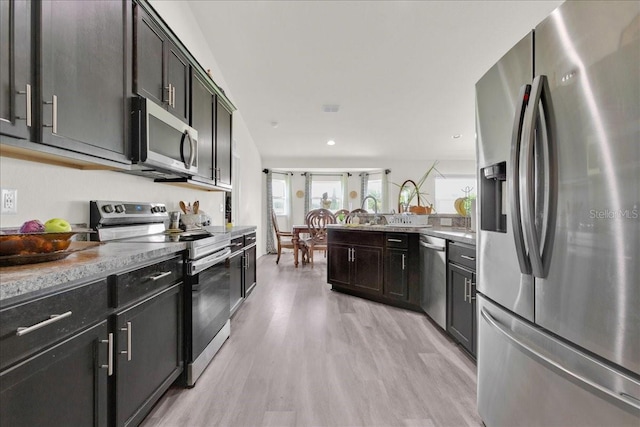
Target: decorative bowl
12	242
191	220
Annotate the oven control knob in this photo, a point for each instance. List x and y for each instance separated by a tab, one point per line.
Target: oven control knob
119	208
154	209
108	208
163	208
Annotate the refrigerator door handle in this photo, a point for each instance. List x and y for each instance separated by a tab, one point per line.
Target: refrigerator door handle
551	194
514	180
618	396
540	258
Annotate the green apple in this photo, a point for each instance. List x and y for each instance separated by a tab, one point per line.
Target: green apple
57	225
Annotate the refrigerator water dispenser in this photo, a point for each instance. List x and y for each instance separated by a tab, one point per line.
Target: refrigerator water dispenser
493	182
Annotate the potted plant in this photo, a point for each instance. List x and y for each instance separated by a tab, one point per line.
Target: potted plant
408	193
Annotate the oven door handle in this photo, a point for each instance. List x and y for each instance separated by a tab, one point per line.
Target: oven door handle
197	266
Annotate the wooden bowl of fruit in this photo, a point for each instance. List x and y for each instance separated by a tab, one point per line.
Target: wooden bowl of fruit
37	238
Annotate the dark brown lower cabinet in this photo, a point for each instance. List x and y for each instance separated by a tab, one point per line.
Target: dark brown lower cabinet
355	261
249	278
149	354
382	266
396	274
461	296
65	385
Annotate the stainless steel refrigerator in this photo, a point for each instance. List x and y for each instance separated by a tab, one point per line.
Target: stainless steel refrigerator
558	244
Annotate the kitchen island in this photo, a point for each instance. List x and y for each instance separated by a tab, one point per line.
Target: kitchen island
381	262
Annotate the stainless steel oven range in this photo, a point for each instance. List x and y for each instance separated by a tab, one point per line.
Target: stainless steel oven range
207	278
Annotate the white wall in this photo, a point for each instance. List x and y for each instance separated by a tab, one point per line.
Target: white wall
401	170
48	191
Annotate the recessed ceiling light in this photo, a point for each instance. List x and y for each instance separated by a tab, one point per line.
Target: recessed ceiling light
331	142
330	108
274	124
456	136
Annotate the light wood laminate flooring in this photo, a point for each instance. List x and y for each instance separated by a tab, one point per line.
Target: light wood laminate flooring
301	354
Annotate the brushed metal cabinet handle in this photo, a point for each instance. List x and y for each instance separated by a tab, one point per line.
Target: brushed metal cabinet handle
54	114
168	89
128	350
394	240
173	96
160	275
470	258
27	93
52	319
465	289
109	365
403	264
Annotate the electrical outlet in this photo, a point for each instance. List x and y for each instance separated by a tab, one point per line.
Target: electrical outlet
9	201
445	222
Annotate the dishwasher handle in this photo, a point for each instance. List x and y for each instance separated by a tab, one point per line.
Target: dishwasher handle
434	247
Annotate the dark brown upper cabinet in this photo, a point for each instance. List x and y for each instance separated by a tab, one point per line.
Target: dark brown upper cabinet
223	149
160	70
203	120
17	89
83	83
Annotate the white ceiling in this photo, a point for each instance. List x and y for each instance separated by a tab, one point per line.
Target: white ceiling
402	72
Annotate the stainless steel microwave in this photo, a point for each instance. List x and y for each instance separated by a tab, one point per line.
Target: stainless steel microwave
162	145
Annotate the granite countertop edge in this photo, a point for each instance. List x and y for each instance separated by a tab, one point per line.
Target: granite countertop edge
18	282
462	236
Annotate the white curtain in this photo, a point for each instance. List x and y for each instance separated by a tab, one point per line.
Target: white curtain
345	190
307	192
289	205
271	246
385	191
364	187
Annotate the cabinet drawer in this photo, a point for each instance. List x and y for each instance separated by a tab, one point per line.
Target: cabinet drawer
362	238
249	239
396	240
76	308
462	254
237	244
136	284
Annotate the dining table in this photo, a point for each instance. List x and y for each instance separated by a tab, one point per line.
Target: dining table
296	231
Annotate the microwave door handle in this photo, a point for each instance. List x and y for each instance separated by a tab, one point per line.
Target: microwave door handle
194	150
189	163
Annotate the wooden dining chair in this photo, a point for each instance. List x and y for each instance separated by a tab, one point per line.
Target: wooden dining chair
317	221
354	213
283	237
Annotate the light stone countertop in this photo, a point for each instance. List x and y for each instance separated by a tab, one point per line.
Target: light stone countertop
236	230
20	282
456	235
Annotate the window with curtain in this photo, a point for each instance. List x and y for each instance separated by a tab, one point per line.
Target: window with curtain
449	189
280	195
330	184
374	188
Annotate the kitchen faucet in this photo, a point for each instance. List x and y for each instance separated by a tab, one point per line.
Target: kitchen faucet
375	203
375	207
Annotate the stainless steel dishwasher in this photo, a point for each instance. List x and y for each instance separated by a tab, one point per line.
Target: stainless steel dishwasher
433	278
